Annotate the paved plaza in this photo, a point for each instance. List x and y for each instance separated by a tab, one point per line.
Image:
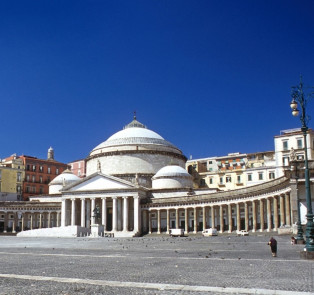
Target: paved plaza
153	265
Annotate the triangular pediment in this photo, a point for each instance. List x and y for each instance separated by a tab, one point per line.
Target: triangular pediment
99	181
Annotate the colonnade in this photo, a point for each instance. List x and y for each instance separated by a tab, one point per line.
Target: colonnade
115	213
14	221
259	214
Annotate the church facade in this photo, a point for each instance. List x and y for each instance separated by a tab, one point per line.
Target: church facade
136	183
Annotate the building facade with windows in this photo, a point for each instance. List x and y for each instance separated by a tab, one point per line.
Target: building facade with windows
292	139
36	173
11	179
233	171
78	168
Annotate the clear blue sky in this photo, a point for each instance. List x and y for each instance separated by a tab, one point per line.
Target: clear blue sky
212	77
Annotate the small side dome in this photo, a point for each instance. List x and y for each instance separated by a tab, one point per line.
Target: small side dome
172	176
65	178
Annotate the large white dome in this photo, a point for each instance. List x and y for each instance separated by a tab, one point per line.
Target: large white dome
134	133
135	150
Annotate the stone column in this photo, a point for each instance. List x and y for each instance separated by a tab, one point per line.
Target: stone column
282	210
168	221
119	213
158	222
40	219
83	216
88	215
114	214
22	229
93	203
204	218
275	213
104	213
186	220
49	219
63	212
268	214
246	215
254	216
213	216
261	214
288	216
221	218
73	212
58	219
238	217
136	213
31	221
125	214
230	218
149	222
14	223
177	218
195	220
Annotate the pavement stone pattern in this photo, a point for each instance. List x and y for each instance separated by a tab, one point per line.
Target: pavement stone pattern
228	262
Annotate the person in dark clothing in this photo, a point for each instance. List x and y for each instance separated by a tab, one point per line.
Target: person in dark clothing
273	246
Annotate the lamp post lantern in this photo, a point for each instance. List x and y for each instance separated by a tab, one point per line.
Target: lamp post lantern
298	97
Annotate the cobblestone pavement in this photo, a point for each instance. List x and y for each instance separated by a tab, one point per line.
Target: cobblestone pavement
153	265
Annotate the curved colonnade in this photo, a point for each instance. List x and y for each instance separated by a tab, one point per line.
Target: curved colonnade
263	207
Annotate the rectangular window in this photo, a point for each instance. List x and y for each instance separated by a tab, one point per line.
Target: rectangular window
285	145
239	178
285	161
41	169
210	181
27	178
271	175
34	189
28	167
228	178
300	143
18	188
33	178
19	176
49	170
260	176
221	179
249	177
34	167
79	164
27	189
40	179
41	190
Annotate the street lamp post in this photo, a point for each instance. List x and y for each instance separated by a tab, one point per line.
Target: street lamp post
298	96
299	236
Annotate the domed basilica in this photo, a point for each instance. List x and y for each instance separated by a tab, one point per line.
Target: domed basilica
136	183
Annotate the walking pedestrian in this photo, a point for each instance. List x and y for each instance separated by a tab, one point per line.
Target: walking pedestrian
273	246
